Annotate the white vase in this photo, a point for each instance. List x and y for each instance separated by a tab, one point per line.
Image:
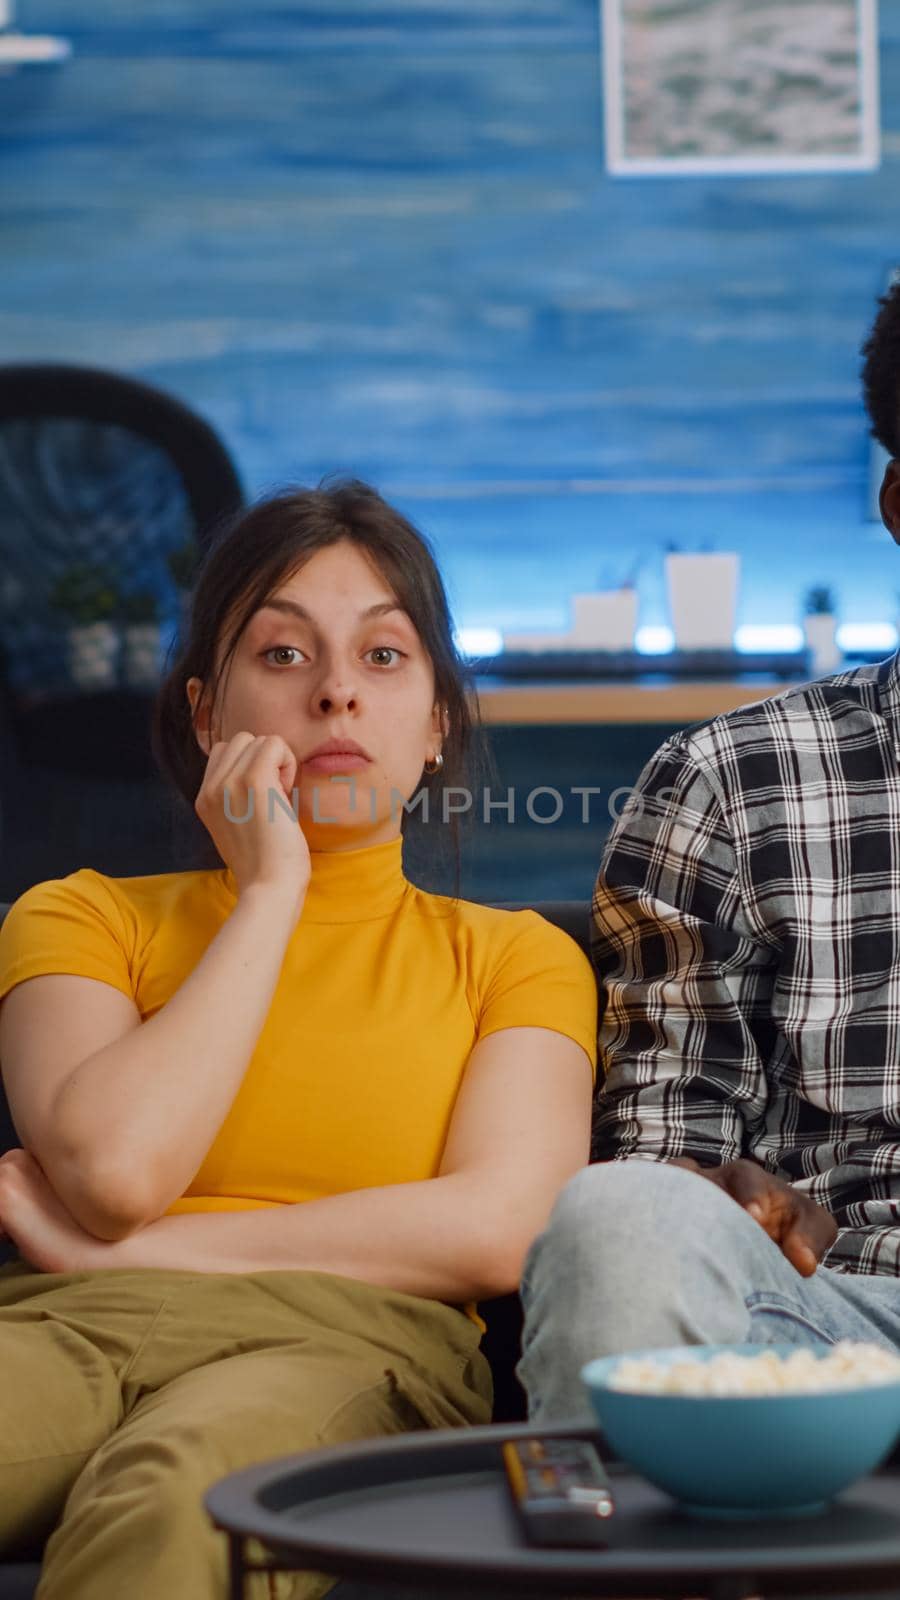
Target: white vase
703	593
820	629
141	653
605	620
93	654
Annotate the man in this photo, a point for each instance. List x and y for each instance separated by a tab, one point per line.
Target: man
747	929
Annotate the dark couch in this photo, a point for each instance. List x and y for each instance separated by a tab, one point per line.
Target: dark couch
503	1316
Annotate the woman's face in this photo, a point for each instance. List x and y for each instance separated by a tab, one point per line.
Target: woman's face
333	656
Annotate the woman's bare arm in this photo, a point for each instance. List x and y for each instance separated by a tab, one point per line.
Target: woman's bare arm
130	1123
520	1130
120	1114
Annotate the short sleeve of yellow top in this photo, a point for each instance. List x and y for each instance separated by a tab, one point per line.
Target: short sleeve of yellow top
383	993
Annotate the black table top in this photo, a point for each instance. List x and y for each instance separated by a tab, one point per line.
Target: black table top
434	1507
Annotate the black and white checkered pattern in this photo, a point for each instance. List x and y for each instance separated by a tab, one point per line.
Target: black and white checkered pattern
747	929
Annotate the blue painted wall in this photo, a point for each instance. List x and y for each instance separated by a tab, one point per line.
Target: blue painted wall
379	238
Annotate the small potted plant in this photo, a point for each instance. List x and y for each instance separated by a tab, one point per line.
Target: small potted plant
703	590
820	629
183	565
86	593
139	613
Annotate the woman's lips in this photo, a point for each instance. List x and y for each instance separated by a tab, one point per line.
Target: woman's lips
336	761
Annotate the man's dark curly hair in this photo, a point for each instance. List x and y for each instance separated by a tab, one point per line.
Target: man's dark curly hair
881	372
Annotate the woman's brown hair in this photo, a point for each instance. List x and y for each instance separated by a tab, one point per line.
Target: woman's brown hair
247	561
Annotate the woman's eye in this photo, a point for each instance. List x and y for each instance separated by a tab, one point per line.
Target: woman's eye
385	650
282	649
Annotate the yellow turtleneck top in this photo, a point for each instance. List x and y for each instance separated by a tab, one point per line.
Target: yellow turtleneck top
384	990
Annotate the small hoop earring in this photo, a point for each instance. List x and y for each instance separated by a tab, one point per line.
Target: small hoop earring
434	766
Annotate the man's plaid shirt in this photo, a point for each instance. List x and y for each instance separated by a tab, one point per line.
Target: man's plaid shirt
747	929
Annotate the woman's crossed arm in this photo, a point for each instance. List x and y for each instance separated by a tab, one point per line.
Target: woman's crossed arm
520	1129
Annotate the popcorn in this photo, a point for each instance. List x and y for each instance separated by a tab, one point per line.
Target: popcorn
848	1365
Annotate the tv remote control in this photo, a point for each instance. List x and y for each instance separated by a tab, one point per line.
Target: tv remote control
559	1489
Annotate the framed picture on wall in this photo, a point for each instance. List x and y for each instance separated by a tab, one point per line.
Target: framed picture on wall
740	86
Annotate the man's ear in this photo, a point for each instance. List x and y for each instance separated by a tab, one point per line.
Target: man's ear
889	500
199	714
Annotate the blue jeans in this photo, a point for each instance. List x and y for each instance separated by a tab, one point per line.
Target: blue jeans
640	1254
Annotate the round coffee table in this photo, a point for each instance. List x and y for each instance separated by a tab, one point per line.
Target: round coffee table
434	1508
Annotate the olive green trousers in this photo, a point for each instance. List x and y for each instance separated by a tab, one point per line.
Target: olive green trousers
127	1393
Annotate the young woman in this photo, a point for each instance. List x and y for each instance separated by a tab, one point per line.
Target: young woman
285	1120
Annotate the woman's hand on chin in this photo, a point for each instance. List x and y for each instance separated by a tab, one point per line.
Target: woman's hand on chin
34	1218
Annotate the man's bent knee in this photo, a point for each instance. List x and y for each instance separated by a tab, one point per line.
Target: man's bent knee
629	1228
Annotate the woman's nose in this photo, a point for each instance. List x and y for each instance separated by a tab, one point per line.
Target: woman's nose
334	691
336	700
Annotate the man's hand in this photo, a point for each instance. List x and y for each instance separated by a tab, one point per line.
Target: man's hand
802	1229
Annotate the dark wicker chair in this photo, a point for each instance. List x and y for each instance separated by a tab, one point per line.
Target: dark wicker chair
96	469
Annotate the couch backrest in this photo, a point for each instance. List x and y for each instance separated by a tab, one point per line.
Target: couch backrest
573	916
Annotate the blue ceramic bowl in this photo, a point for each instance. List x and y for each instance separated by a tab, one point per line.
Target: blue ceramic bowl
749	1455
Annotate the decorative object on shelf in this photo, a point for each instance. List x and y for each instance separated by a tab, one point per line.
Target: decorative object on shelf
141	638
604	620
86	593
27	49
702	589
820	630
